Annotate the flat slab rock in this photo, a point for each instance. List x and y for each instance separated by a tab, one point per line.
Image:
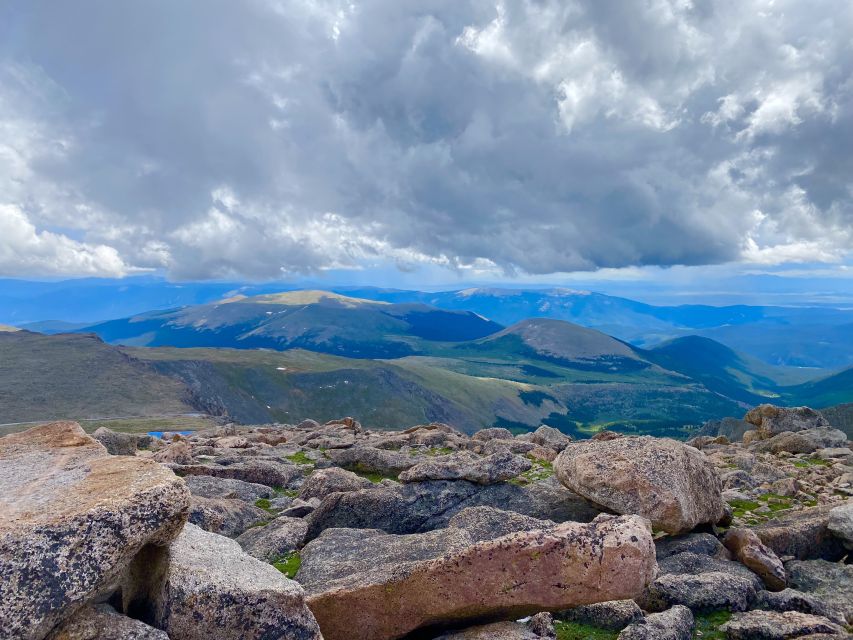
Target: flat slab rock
73	518
771	625
102	622
204	587
374	586
669	483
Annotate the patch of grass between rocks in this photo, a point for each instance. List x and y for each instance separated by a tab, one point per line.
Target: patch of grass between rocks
580	631
707	625
288	564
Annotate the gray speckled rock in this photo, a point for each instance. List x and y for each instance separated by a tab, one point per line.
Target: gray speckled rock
488	523
423	506
211	487
699	543
464	465
840	523
73	517
333	480
770	420
831	581
117	444
275	539
203	587
669	483
102	622
268	472
793	600
546	436
802	534
614	615
375	586
703	592
771	625
673	624
224	516
372	460
806	441
495	433
695	564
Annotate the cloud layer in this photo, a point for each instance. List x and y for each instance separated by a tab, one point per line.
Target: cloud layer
270	137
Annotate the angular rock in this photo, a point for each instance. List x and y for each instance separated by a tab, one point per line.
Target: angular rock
488	523
117	444
549	437
300	508
747	547
275	539
73	517
102	622
376	593
423	506
832	582
703	592
332	480
840	523
771	625
614	615
203	586
793	600
177	453
373	460
542	624
699	543
669	483
495	433
802	534
687	563
223	516
806	441
770	420
490	469
673	624
211	487
268	472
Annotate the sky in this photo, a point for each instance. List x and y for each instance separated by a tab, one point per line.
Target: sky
428	141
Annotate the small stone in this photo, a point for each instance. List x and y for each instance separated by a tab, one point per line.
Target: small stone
673	624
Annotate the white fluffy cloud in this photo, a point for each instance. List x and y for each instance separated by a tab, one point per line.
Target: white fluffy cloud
273	137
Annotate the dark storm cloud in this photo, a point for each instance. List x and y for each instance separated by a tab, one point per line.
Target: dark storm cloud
263	138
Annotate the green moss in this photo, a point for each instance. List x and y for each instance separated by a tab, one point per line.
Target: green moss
281	491
288	564
812	462
374	477
579	631
433	451
708	625
743	505
300	458
541	470
263	503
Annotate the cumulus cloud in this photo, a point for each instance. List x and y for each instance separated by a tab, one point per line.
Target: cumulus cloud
272	137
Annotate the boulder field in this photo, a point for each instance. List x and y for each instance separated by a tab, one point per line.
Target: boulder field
334	531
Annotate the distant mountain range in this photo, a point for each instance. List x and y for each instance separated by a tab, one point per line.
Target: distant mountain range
290	355
812	337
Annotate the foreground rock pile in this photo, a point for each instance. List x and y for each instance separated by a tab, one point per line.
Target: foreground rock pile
339	532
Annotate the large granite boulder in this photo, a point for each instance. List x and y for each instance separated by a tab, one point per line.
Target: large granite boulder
373	586
464	465
203	587
549	437
770	420
804	535
669	483
806	441
102	622
73	518
117	444
830	581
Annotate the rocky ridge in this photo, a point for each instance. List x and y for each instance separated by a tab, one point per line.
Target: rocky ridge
335	531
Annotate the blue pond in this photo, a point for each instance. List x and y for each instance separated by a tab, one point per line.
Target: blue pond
160	434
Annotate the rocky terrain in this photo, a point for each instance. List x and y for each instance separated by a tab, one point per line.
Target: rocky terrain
335	531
